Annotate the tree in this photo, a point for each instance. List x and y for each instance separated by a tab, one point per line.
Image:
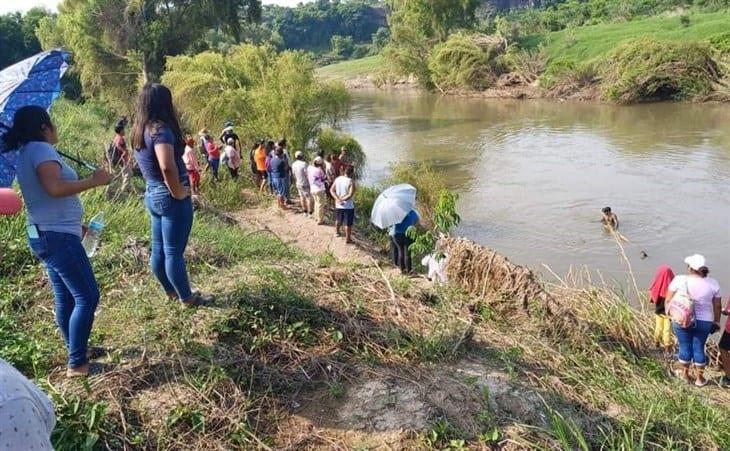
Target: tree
119	44
17	36
381	38
312	25
435	18
416	26
264	93
342	46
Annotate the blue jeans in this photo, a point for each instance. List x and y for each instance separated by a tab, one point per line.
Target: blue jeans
74	289
171	221
692	342
279	186
287	186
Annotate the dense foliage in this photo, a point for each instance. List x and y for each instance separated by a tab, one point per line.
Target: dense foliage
117	44
475	45
417	25
330	141
465	61
658	70
17	35
267	94
311	26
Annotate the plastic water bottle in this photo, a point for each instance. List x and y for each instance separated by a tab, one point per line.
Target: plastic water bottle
93	234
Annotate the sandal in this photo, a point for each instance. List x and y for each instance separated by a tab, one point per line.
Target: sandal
701	384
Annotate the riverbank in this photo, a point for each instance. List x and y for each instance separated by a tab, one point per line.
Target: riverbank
312	344
580	63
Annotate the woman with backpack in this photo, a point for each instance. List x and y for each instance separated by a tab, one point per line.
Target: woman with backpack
693	304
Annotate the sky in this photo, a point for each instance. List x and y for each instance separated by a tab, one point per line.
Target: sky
7	6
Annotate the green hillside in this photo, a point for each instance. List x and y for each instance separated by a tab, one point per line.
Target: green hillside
347	70
587	44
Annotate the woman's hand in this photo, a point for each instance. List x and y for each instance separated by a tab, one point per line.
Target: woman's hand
101	177
49	175
182	194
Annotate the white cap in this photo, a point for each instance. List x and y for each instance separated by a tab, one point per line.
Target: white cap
696	262
298	154
318	160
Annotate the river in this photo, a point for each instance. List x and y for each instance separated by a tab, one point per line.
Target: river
533	176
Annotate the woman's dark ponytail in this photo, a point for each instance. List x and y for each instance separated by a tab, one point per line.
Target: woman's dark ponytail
28	125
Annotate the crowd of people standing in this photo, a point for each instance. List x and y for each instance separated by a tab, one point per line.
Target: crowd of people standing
173	165
687	306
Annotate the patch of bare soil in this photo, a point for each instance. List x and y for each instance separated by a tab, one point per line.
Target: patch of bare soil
384	408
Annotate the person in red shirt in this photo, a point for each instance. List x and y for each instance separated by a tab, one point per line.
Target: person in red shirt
336	166
214	159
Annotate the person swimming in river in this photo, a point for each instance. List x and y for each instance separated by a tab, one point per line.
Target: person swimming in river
609	219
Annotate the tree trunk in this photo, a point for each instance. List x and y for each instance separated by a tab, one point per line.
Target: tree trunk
145	71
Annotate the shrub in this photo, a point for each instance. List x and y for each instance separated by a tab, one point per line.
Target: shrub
528	64
564	77
428	183
263	92
381	38
342	46
648	69
362	50
445	218
465	61
684	20
721	42
331	141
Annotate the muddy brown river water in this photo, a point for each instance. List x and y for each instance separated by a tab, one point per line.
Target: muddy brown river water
533	176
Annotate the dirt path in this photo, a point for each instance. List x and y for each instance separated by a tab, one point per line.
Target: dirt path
304	233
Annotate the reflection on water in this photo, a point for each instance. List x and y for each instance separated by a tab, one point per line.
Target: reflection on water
533	175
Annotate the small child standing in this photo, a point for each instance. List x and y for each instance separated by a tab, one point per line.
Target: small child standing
233	158
190	158
657	295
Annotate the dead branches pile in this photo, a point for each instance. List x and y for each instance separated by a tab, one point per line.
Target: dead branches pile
482	272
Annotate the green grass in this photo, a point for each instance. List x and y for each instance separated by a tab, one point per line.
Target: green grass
283	326
585	45
350	69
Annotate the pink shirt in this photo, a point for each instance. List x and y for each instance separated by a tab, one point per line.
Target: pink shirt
701	290
191	159
316	178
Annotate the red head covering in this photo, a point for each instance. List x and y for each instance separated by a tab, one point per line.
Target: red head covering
660	285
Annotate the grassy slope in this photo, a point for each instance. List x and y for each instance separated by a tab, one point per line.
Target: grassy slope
589	44
285	326
350	69
580	45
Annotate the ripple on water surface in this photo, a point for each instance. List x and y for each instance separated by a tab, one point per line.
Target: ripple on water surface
533	176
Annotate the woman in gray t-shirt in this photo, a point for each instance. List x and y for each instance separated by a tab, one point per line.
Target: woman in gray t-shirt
50	189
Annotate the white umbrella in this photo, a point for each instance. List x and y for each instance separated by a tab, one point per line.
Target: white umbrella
393	205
